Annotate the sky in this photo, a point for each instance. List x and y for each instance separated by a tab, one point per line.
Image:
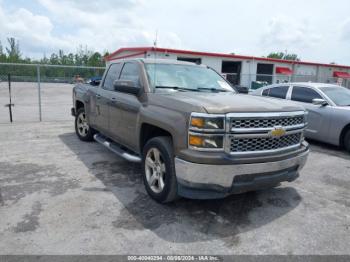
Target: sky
317	31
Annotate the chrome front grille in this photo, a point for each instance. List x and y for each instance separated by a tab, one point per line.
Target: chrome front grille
267	122
247	144
254	133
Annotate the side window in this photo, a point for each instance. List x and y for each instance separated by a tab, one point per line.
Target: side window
131	71
266	92
304	94
279	91
112	75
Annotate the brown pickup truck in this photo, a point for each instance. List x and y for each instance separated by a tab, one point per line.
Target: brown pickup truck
194	135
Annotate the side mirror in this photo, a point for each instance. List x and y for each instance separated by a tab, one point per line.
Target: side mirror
319	102
95	82
127	86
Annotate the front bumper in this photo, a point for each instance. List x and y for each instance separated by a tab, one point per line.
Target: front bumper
215	181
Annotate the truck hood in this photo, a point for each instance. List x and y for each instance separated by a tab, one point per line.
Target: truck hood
227	102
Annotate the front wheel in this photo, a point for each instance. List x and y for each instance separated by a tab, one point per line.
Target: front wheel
159	169
82	128
347	141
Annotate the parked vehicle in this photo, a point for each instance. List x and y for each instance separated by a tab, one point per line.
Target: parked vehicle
193	134
94	81
241	89
328	107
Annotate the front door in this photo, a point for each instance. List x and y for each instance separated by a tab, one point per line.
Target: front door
318	117
124	109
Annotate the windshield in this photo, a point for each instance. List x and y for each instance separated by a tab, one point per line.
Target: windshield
186	78
339	95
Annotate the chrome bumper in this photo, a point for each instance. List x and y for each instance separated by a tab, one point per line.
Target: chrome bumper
223	175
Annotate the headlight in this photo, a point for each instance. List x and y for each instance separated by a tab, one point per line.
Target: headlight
206	132
207	122
203	141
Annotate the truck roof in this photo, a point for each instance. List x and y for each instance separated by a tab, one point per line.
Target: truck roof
158	61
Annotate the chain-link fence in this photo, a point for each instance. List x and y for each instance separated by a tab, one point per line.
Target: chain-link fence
44	92
40	92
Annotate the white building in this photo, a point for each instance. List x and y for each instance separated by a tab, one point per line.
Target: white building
246	70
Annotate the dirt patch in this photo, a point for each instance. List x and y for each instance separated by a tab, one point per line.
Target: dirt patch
30	221
20	179
331	180
119	174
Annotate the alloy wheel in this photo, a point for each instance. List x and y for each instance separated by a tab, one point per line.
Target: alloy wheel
82	125
155	170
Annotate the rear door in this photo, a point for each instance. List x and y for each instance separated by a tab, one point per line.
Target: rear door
318	117
102	98
124	108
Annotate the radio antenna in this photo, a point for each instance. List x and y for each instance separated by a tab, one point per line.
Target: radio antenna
155	58
155	39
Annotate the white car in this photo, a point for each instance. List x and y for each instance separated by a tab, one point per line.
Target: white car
328	106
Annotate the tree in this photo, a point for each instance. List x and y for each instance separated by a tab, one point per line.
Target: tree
13	52
283	56
54	60
276	55
44	60
2	55
293	57
83	56
95	60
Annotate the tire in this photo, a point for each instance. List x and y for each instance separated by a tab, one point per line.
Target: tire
347	141
82	128
159	174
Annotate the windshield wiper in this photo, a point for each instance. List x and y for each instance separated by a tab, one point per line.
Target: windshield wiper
177	88
213	89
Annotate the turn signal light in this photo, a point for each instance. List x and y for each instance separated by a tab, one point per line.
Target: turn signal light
197	122
196	140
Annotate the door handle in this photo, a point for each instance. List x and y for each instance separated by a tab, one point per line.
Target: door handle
114	100
98	95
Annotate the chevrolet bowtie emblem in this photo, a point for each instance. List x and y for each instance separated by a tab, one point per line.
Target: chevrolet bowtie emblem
277	132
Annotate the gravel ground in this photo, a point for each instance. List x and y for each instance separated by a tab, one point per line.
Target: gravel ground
59	195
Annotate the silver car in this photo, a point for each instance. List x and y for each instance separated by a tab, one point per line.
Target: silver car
328	106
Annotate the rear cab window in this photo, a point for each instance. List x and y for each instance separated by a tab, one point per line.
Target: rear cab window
278	92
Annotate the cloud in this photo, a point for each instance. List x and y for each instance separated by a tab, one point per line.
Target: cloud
66	25
345	31
289	33
34	31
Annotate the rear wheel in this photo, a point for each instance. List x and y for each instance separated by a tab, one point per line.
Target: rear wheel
159	169
82	128
347	141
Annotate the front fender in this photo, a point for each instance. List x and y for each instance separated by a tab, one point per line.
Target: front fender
174	122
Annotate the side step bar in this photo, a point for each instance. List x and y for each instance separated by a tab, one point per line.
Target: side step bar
115	148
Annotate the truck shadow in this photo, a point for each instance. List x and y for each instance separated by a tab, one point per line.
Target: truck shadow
185	220
320	147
